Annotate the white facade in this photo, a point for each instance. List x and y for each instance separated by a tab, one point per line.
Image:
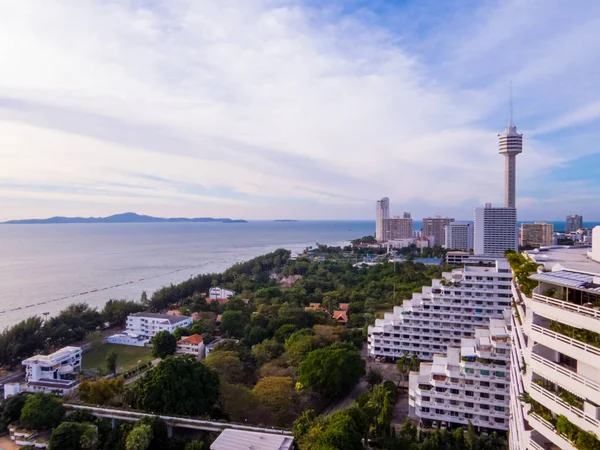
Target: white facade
459	236
444	313
148	324
58	371
553	362
128	338
469	384
191	345
595	253
510	145
400	243
573	223
216	293
382	212
495	230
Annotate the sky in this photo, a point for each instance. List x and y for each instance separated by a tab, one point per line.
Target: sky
268	109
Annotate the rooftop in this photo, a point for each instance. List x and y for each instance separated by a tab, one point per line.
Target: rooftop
565	257
171	318
62	353
194	339
567	278
251	440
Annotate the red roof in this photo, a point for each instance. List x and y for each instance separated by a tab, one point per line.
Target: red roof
194	339
340	316
344	306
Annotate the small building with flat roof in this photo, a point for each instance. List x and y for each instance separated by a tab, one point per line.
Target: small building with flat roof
56	372
231	439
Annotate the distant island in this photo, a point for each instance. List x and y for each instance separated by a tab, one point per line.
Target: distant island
128	217
285	220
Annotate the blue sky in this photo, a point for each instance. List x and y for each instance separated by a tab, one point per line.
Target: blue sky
299	109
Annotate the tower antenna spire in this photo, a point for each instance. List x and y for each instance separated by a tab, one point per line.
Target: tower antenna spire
510	118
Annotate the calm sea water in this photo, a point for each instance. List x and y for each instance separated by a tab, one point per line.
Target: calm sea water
44	268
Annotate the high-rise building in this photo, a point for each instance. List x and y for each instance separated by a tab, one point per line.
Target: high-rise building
434	226
555	356
398	227
459	236
573	223
538	234
382	212
495	230
444	313
510	145
469	384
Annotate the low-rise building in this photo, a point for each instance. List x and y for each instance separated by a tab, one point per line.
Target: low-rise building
470	383
340	317
191	345
231	439
148	324
210	347
216	293
57	372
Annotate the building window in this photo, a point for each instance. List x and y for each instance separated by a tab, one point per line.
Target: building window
482	406
499	374
499	408
484	372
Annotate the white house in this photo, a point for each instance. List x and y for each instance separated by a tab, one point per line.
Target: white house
58	371
191	345
231	439
217	293
148	324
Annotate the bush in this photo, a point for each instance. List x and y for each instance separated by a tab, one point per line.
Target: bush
42	411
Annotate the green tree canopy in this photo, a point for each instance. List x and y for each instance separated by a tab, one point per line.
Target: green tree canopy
163	344
278	395
111	361
74	436
332	370
178	385
227	365
139	438
42	411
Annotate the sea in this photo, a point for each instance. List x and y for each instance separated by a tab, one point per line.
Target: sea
44	268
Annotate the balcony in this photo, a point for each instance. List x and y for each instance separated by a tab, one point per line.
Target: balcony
563	311
566	345
547	430
565	377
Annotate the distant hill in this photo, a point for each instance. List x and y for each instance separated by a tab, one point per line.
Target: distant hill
128	217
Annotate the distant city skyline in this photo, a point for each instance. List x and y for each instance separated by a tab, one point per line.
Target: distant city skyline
297	110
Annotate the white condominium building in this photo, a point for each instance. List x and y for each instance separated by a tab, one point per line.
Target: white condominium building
382	213
495	230
468	384
444	313
148	324
555	374
538	234
459	236
58	371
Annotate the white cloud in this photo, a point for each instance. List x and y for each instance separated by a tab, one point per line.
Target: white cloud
208	107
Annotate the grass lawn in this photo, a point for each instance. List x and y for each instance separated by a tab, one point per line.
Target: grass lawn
127	359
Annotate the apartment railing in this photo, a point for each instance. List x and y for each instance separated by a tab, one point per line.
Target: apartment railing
535	445
567	306
566	372
567	340
556	399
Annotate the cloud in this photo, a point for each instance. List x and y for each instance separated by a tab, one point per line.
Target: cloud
269	108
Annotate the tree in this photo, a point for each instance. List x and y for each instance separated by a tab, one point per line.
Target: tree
115	312
41	411
94	339
12	407
267	350
160	433
195	445
178	385
74	436
227	365
111	361
99	392
232	323
163	344
139	438
332	370
374	377
278	395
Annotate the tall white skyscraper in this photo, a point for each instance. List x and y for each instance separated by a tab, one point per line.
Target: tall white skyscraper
382	213
495	230
510	145
459	236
